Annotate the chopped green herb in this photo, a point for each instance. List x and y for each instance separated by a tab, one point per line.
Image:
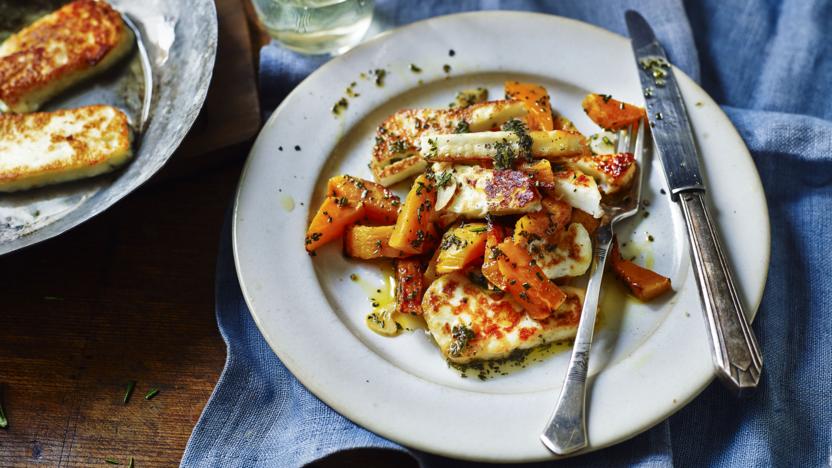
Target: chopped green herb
415	69
461	335
434	148
446	68
504	155
112	461
4	423
469	97
452	240
462	127
130	386
398	146
524	140
380	74
479	229
419	240
152	393
340	106
443	179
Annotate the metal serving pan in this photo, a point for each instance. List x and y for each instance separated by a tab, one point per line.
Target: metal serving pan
161	87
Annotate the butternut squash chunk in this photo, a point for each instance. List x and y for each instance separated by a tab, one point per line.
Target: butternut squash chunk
609	113
430	274
413	226
645	284
589	222
494	236
460	247
332	218
541	173
526	282
410	286
370	242
560	210
380	204
537	102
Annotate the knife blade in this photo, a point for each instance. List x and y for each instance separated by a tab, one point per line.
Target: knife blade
734	350
667	114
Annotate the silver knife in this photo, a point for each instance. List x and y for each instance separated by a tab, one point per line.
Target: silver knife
734	349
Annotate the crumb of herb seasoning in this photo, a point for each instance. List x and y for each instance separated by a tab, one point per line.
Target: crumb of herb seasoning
699	104
446	68
351	90
353	277
451	53
297	147
4	423
152	393
662	192
650	237
280	148
340	106
130	386
379	74
415	69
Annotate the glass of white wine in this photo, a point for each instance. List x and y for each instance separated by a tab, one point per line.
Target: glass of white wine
316	26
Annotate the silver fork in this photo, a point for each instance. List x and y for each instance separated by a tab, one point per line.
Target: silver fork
566	430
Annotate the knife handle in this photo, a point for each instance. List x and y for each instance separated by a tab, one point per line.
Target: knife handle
734	349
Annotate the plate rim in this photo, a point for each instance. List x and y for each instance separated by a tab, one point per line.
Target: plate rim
755	185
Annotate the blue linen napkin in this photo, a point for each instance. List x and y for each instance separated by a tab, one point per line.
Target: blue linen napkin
770	65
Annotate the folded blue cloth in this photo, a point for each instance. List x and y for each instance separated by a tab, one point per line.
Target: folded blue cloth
770	65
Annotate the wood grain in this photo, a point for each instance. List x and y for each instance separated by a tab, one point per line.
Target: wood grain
127	296
231	113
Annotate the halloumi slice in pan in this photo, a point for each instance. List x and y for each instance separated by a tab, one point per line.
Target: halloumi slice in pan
75	42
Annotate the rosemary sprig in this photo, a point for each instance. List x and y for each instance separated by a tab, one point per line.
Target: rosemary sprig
130	386
152	393
111	461
3	421
131	463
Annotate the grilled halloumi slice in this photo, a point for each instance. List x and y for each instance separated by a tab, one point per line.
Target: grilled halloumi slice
612	172
570	256
577	189
49	147
603	142
475	191
483	147
71	44
470	322
396	154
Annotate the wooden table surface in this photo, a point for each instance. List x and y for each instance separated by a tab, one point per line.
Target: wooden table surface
126	296
129	296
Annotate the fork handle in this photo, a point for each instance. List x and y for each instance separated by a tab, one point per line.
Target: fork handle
734	349
566	430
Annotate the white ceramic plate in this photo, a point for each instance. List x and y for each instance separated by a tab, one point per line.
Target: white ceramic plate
647	360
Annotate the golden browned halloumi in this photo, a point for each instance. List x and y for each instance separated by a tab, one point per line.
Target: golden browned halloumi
396	154
470	322
49	147
475	191
483	147
73	43
613	172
